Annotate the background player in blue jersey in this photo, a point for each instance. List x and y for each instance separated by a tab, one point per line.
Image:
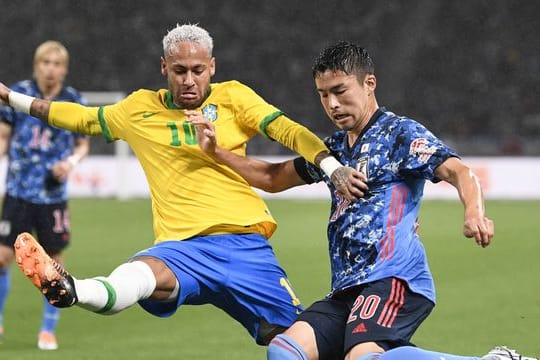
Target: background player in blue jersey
382	288
40	157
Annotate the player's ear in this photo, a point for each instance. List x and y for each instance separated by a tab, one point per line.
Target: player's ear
212	66
163	67
370	82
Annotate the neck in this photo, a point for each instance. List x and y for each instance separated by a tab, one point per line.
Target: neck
49	92
354	133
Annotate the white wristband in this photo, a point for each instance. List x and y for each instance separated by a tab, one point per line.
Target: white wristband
20	102
329	165
73	160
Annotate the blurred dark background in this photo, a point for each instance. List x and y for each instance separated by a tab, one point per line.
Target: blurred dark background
468	70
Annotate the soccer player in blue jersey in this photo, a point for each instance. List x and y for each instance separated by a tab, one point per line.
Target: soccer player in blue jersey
382	288
40	157
211	228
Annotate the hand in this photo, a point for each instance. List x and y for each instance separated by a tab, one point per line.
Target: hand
206	132
4	94
61	170
480	228
350	182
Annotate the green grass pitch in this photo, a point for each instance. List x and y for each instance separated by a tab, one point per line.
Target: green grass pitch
486	296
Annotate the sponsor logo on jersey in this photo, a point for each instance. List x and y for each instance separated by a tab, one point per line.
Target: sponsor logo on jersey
360	328
148	114
421	149
210	112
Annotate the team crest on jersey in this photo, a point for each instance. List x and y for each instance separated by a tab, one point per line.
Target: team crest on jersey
210	112
362	165
421	149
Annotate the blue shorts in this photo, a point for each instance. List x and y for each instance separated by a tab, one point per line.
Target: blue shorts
238	273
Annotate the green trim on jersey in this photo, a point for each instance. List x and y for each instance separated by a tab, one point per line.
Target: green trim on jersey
169	101
267	120
103	124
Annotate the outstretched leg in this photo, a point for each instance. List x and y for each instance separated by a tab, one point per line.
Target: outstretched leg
127	284
409	352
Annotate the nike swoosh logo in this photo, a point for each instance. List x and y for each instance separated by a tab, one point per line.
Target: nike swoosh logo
147	115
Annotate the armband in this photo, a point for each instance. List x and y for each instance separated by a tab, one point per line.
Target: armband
73	160
20	102
329	165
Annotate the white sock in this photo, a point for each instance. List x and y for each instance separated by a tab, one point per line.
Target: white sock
127	284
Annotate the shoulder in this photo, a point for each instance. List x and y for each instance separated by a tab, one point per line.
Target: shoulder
336	140
72	94
231	86
145	95
400	123
236	93
24	86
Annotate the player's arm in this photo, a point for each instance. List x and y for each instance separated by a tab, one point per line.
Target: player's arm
65	115
348	181
61	169
476	224
5	137
270	177
277	177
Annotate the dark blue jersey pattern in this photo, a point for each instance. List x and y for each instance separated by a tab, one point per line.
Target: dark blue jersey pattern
375	237
35	147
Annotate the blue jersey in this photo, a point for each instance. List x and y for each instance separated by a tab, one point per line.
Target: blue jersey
375	237
35	147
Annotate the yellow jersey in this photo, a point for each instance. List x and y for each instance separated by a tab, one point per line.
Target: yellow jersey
192	194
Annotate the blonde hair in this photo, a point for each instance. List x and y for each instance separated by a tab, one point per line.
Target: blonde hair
187	33
48	47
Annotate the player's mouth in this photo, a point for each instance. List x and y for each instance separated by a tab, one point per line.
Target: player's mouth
341	119
189	96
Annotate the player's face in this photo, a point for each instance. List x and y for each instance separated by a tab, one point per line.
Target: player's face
348	102
188	70
50	71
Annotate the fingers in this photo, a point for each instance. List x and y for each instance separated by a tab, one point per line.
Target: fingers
350	183
482	231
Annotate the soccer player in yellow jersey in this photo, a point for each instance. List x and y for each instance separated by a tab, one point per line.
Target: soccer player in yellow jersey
211	229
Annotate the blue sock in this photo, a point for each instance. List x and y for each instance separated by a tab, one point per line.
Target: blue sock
5	282
282	347
51	315
410	352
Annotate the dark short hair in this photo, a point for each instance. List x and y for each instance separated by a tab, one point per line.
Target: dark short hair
344	56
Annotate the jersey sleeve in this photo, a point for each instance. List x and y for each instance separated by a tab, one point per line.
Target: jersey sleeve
296	137
74	117
256	114
421	150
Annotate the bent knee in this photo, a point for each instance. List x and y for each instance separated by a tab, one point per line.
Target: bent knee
267	332
360	350
284	347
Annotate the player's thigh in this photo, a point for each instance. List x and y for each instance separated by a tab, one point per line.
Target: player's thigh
385	312
17	217
53	226
323	338
258	282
